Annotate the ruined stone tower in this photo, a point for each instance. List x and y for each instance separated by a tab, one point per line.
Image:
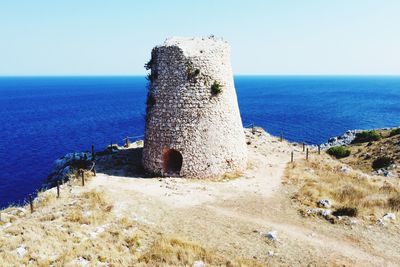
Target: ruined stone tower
193	124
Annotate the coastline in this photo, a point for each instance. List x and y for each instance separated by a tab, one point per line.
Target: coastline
347	137
120	208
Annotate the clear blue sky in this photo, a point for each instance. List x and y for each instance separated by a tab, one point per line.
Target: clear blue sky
104	37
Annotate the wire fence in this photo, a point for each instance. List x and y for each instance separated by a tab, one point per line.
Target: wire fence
304	151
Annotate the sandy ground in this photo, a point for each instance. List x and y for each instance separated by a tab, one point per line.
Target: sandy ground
233	215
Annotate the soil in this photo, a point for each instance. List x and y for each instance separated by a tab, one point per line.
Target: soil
233	215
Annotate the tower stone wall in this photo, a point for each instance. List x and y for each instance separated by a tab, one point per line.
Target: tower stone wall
193	124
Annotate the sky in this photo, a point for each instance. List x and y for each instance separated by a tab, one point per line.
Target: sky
285	37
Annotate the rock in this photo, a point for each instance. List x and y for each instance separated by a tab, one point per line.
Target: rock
320	211
18	211
80	262
5	226
21	251
69	158
344	169
387	174
198	264
324	203
381	222
66	164
98	230
341	140
271	253
87	214
67	170
271	235
389	216
326	213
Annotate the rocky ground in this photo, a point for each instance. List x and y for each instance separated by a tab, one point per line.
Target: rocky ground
254	218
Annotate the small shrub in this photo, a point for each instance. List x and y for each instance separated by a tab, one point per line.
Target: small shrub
192	74
216	88
152	76
149	64
338	152
346	211
381	162
366	136
394	203
394	132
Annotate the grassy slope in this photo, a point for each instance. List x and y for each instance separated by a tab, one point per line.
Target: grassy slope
81	227
321	178
362	155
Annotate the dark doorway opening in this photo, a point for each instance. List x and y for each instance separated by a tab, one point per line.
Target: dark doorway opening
172	162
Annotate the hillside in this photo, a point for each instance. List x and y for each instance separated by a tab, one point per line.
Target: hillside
269	215
363	154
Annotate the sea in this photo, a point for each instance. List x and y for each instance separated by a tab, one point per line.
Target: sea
43	118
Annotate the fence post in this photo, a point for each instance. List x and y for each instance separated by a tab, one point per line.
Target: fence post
307	154
281	137
93	152
252	128
31	202
304	146
58	188
319	149
83	178
291	157
94	171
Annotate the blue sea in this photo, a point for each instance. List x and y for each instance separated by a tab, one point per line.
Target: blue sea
43	118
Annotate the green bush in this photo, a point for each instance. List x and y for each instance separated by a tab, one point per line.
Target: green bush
338	152
382	162
366	136
394	132
149	64
216	88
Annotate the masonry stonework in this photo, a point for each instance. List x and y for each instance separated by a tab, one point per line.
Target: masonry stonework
193	124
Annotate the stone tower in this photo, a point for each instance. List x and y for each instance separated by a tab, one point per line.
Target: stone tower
193	124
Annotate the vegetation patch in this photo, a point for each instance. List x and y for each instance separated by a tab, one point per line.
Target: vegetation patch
394	132
322	178
149	64
152	76
339	152
192	73
174	252
216	88
381	162
394	203
366	136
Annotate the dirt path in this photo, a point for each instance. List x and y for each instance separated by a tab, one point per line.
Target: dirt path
230	215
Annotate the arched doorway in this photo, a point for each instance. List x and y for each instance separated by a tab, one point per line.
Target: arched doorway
172	162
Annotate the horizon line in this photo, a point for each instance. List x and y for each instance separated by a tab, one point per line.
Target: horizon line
238	74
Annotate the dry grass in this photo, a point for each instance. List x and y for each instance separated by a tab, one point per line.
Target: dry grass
81	227
172	251
76	226
321	178
231	175
167	251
